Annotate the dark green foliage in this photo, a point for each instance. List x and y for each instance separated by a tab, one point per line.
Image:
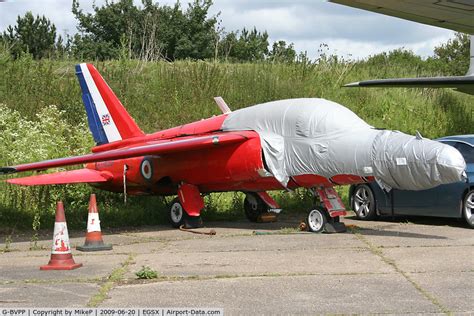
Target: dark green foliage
146	273
452	58
145	32
36	36
150	32
282	53
246	46
196	36
400	59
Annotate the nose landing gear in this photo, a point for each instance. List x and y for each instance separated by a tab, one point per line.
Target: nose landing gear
325	217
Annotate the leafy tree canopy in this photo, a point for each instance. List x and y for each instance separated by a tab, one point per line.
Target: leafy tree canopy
245	45
149	31
282	52
453	56
34	35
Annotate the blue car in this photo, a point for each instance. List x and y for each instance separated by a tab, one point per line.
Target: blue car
454	200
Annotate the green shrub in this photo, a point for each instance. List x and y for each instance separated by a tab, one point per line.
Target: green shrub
146	273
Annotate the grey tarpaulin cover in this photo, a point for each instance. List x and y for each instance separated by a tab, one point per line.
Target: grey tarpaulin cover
317	136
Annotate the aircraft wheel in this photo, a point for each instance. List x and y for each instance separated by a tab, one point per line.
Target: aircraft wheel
363	202
177	214
468	208
254	206
316	220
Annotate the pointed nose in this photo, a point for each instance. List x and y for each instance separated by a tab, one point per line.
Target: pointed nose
451	165
408	163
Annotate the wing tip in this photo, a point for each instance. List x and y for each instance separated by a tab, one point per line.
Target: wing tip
352	84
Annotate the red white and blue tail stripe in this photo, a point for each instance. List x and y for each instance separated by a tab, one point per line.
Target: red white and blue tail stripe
108	119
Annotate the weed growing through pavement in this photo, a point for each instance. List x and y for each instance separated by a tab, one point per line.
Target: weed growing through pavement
36	226
146	273
8	242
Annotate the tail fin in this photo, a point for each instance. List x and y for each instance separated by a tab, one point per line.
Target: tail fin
107	117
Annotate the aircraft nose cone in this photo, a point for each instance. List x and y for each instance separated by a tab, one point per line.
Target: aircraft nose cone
451	165
408	163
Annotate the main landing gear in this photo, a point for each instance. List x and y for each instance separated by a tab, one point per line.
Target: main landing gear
260	207
325	216
179	217
185	210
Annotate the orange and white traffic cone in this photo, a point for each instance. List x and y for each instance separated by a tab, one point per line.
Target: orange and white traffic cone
61	256
94	240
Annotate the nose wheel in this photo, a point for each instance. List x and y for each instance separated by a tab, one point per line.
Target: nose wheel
316	220
326	215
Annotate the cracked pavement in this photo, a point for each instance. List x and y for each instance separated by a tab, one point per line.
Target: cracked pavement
380	267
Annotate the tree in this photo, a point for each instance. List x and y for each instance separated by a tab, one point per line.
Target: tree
452	58
197	33
282	53
101	32
248	46
227	44
145	31
36	36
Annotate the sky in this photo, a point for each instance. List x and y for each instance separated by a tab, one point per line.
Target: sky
348	32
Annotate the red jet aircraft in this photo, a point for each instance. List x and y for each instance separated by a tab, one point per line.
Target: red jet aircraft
189	160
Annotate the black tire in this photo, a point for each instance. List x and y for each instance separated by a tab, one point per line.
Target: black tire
363	202
177	215
254	206
316	220
468	208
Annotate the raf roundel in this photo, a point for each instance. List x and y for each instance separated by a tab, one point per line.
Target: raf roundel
146	169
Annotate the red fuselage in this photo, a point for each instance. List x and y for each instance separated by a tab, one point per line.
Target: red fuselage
235	167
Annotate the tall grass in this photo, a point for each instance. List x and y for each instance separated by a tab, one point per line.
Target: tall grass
161	95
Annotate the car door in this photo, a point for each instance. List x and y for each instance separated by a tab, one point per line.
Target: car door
415	202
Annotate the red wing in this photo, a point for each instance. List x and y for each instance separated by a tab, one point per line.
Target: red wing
65	177
161	148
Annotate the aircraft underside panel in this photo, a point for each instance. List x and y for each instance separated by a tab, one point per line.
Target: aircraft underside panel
451	14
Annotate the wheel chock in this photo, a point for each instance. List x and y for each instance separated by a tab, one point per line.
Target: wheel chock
333	228
268	217
192	222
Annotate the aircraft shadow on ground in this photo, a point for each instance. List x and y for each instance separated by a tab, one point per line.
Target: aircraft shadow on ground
285	222
395	233
423	220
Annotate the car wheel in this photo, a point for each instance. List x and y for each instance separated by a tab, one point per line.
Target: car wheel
468	208
254	206
316	220
177	214
363	202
